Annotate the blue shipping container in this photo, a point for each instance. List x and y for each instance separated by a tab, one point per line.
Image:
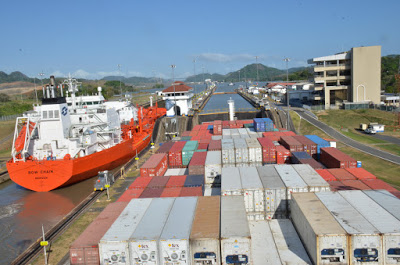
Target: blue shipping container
296	156
321	143
194	181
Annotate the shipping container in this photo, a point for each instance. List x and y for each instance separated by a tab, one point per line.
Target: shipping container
176	172
186	133
151	192
386	200
282	155
174	239
386	223
204	236
334	158
355	184
337	185
324	239
235	233
114	245
360	173
312	162
253	192
230	182
175	154
140	183
171	192
321	143
202	147
325	174
130	194
156	165
341	174
194	181
226	132
313	180
188	151
84	250
275	193
269	124
268	150
228	151
243	132
217	129
143	242
216	137
191	191
259	125
309	146
164	149
197	163
378	184
186	138
290	249
241	151
175	181
255	150
296	156
158	182
211	191
263	248
291	144
213	168
293	182
365	241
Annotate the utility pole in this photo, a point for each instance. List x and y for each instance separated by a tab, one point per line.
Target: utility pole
287	60
34	81
257	66
119	73
173	66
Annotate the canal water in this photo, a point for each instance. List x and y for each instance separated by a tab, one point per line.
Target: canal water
22	213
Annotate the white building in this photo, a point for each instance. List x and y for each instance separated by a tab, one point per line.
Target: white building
181	94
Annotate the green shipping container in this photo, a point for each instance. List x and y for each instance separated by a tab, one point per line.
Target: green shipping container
186	138
187	151
248	125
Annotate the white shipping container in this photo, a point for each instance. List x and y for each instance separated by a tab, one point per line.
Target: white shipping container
313	180
226	132
228	151
387	200
386	223
275	192
324	239
209	191
230	182
365	240
293	182
250	130
242	131
227	137
244	136
235	137
253	190
228	165
253	136
143	243
174	240
241	151
255	164
216	137
234	132
255	150
259	134
289	246
235	233
176	172
263	248
213	167
114	245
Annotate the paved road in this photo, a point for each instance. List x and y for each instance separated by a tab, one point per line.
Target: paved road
387	138
340	137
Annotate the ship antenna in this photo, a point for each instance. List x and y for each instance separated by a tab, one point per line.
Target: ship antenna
72	85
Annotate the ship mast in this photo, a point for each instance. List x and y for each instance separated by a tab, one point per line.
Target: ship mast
72	84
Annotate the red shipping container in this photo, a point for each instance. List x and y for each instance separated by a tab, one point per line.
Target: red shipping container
268	150
225	123
396	193
197	163
312	162
202	146
334	158
196	127
309	146
360	173
247	121
378	184
156	165
140	183
291	144
164	149
191	191
171	192
282	155
355	184
205	141
204	127
186	133
196	138
175	181
341	174
215	145
130	194
158	182
151	193
326	175
337	185
85	248
175	154
289	133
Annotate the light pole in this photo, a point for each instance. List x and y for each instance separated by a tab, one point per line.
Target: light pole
194	71
119	73
173	66
257	66
287	60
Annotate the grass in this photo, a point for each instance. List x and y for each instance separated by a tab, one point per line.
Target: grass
383	169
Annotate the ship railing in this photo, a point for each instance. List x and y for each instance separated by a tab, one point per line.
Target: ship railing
19	123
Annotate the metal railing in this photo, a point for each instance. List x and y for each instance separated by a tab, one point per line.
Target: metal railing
9	117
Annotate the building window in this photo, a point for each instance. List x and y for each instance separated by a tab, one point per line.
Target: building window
44	114
56	114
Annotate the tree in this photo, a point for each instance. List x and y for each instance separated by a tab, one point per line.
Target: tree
4	97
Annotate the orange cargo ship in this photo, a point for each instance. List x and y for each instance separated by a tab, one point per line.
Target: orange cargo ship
44	161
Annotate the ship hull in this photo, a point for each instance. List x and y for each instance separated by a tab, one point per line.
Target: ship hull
48	175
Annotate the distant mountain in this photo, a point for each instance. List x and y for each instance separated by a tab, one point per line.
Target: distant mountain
135	80
13	77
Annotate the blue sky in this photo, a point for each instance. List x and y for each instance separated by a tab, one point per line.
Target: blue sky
89	38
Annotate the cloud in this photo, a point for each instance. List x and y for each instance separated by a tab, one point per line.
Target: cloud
80	73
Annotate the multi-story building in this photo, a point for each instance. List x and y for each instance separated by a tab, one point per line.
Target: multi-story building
181	95
353	76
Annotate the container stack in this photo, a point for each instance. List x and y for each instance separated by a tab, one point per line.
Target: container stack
333	158
253	193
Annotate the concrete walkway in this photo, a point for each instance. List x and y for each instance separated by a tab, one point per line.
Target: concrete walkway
348	141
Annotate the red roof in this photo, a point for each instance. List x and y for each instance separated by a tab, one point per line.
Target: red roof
179	87
282	84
